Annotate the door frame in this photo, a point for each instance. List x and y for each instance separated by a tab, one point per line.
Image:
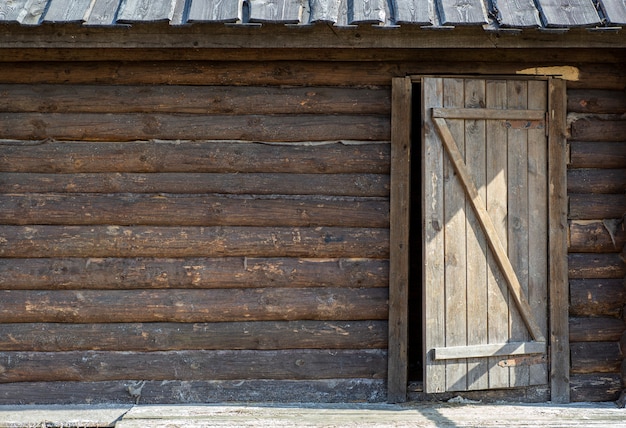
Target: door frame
399	262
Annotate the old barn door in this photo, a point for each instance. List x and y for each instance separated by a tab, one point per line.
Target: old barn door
485	246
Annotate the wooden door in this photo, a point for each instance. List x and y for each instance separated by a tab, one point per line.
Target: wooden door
485	225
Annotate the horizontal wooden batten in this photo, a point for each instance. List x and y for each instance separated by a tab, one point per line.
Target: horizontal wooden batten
190	156
129	127
204	100
226	272
488	114
596	329
595	180
596	236
595	357
151	337
220	241
192	365
596	298
489	350
362	185
588	265
193	306
597	155
596	206
195	210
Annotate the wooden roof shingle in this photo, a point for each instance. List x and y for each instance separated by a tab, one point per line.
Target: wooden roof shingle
491	14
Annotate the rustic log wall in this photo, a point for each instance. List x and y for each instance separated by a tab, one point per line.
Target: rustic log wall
597	233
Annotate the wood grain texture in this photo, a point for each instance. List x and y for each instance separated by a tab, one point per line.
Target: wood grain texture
595	266
596	101
596	236
576	13
462	12
518	14
413	11
592	180
596	329
596	206
585	154
66	11
596	298
228	272
276	11
214	11
102	12
145	11
194	306
596	357
592	128
152	337
595	387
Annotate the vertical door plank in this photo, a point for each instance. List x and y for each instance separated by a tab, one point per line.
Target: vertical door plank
399	239
517	97
433	244
538	215
477	248
455	245
497	195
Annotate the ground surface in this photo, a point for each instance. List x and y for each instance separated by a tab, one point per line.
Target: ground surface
318	415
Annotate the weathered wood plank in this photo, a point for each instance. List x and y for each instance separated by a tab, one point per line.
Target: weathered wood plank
202	100
597	155
151	337
462	12
10	11
214	11
331	11
478	113
592	180
32	12
360	185
129	127
276	11
116	241
596	357
596	101
194	306
597	298
595	387
102	13
413	12
614	11
596	236
228	272
489	350
596	206
596	329
348	390
192	365
573	13
145	11
185	210
598	266
189	156
594	128
517	14
366	11
66	11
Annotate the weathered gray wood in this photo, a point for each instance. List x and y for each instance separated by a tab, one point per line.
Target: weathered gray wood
400	201
489	350
67	10
589	265
151	337
597	155
32	12
227	272
193	306
596	206
517	14
116	241
588	180
214	11
331	11
128	127
366	11
102	13
596	329
571	13
193	365
615	11
491	114
413	12
197	183
145	10
185	210
276	11
10	11
596	298
462	12
192	156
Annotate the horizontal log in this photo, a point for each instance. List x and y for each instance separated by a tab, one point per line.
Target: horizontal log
192	365
596	236
129	127
193	306
597	155
582	265
596	329
595	357
596	298
188	156
595	101
590	207
357	390
145	241
595	387
593	180
361	185
593	128
151	337
227	272
205	100
195	210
